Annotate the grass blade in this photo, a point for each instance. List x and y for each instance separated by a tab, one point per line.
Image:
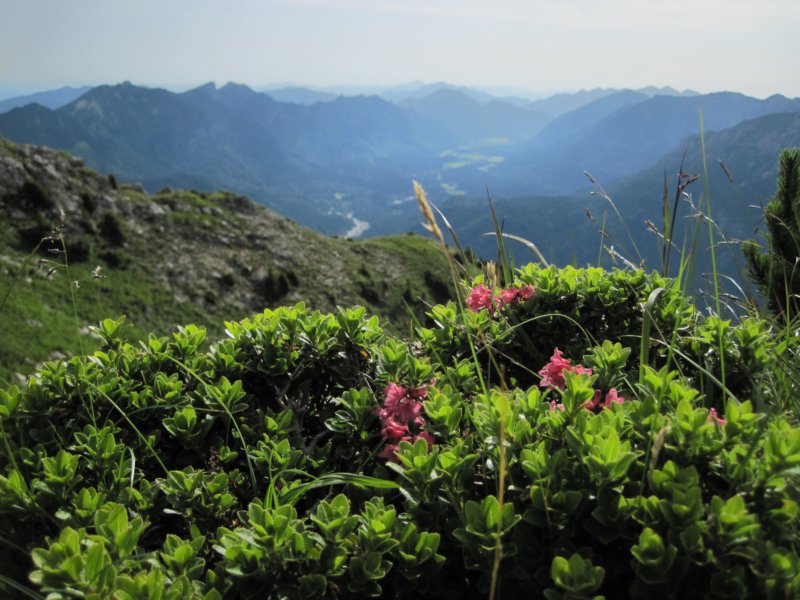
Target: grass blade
508	271
527	243
341	478
21	590
647	321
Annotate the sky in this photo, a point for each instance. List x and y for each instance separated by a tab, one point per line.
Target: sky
749	46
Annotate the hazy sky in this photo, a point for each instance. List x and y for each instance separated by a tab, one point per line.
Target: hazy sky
750	46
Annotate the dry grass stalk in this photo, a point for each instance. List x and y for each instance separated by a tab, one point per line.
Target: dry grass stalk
427	212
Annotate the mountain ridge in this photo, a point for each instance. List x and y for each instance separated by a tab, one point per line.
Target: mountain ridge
336	165
627	140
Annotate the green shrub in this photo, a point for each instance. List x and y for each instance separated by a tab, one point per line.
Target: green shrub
312	455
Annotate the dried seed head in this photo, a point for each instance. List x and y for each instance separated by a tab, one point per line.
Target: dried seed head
427	212
492	276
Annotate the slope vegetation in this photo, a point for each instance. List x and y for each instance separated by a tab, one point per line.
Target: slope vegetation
175	256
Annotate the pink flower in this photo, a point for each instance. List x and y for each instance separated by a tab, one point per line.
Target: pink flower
554	406
393	429
394	394
515	295
612	398
388	452
401	412
400	403
419	393
713	417
407	410
553	372
594	402
509	295
480	297
526	292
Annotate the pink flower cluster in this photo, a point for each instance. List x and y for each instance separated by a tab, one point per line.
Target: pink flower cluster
713	417
553	372
553	378
597	403
482	298
401	416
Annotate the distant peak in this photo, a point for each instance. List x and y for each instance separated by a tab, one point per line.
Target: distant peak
232	85
238	89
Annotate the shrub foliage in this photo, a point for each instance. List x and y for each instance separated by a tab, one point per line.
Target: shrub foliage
313	455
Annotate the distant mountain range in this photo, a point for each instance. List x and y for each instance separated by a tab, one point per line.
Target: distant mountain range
619	135
344	164
396	93
559	104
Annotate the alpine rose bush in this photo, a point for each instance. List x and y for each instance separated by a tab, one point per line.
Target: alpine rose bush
271	463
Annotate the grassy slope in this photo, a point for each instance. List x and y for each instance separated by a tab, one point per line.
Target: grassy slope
38	320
